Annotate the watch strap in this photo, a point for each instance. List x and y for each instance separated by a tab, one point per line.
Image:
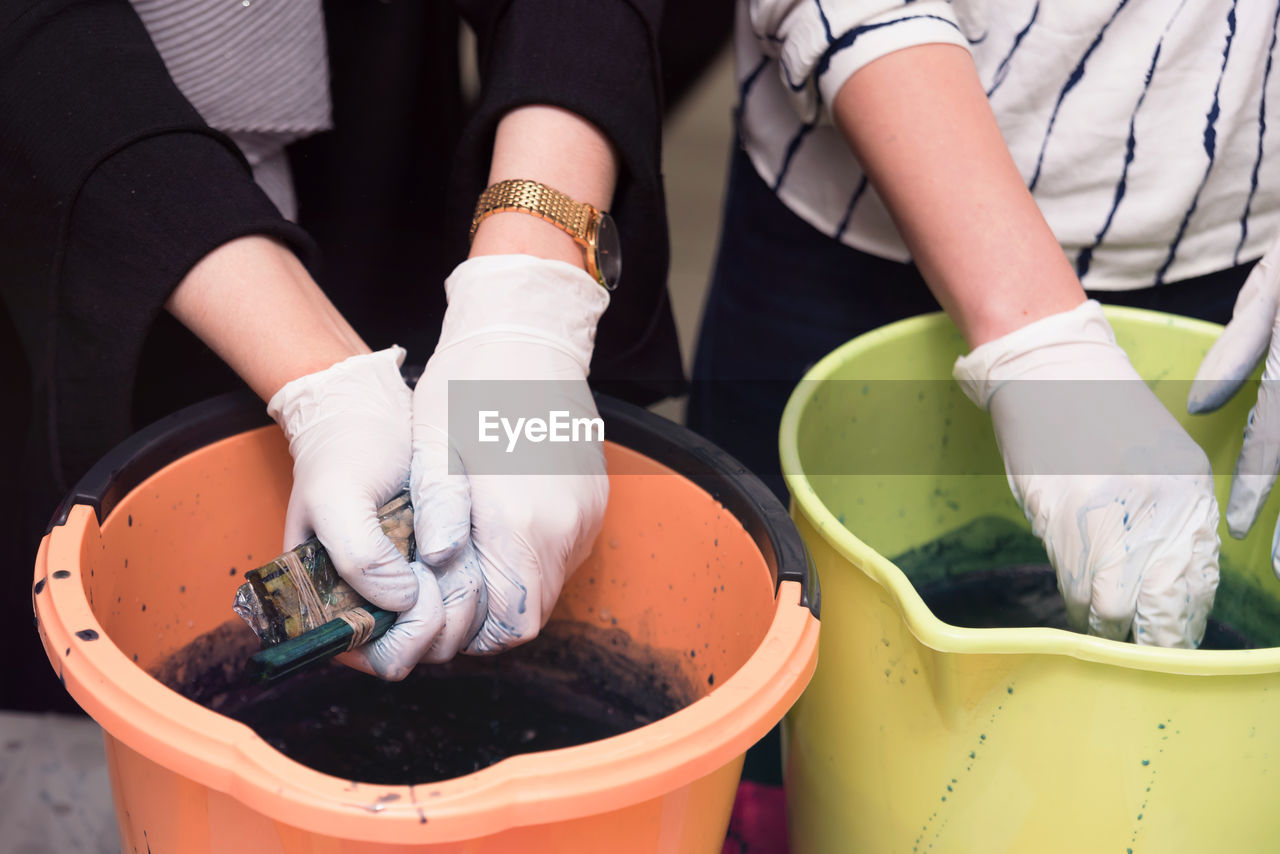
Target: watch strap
538	199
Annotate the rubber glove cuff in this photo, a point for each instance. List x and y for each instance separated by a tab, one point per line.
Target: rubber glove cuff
1254	325
301	402
1071	345
522	297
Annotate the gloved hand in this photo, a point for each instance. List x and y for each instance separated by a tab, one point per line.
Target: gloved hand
1120	494
500	544
1254	330
349	431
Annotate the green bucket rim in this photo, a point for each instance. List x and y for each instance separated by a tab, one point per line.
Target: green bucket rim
921	622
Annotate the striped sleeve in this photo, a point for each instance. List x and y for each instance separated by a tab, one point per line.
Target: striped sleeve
819	44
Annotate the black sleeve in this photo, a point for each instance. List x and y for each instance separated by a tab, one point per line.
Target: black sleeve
80	82
598	59
111	188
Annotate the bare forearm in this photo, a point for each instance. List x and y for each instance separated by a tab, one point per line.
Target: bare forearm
919	122
553	147
254	304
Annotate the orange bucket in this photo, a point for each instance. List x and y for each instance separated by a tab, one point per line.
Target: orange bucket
695	554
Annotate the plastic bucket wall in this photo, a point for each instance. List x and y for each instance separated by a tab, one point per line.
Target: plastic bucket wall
916	735
189	506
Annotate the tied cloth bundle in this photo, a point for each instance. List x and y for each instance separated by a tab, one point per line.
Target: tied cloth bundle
302	610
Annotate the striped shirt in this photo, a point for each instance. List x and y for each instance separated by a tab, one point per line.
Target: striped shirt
257	70
1140	126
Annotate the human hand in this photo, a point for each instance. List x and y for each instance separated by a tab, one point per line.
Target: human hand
1254	331
349	431
1119	493
500	545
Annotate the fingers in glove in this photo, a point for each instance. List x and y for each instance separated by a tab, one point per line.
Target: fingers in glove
1179	584
441	498
466	603
297	523
393	656
1117	562
1259	460
1116	584
512	575
1244	341
362	554
1275	550
1074	583
1070	525
1254	325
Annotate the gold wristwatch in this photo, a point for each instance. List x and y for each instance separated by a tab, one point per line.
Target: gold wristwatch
592	229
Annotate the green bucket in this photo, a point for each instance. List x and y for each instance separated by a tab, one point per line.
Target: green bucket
916	735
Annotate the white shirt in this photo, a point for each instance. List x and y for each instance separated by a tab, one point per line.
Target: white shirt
1147	130
257	70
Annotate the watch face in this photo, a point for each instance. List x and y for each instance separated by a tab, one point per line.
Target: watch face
608	252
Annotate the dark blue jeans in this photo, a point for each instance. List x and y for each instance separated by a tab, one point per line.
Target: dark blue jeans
783	295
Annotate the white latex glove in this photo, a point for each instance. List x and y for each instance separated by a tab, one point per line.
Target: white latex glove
501	545
1120	494
349	431
1254	330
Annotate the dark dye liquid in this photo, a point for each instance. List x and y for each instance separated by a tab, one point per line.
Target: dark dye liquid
574	684
1028	596
993	573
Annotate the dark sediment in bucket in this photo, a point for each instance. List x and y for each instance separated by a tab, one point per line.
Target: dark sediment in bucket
575	683
1028	595
993	573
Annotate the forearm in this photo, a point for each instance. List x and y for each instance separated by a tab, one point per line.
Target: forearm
553	147
919	122
254	304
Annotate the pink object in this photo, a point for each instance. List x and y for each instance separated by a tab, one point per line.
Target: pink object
758	824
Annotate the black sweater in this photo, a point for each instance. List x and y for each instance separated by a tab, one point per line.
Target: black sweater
112	187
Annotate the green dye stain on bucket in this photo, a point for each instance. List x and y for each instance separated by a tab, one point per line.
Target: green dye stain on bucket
993	572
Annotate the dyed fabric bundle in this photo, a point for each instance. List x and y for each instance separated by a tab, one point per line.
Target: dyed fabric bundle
301	590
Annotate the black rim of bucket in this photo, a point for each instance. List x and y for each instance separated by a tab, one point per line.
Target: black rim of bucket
693	457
